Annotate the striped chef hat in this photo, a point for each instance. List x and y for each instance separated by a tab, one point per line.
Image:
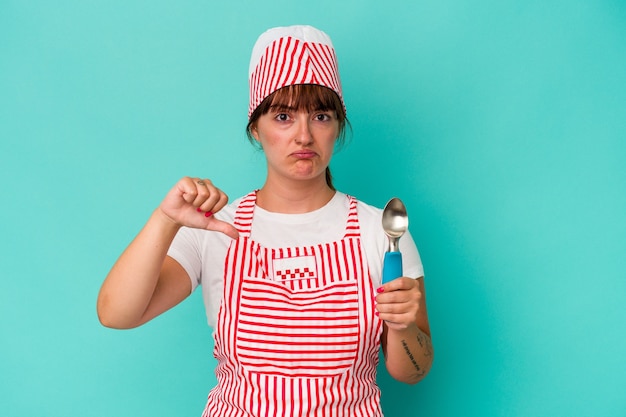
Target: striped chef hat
291	55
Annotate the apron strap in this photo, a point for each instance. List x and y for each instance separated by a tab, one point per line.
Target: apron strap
244	213
352	225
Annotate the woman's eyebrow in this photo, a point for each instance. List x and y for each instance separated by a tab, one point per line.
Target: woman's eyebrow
281	107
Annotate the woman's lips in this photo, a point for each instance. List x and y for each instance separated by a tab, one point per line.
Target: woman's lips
304	154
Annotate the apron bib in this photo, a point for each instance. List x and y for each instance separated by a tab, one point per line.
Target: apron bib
296	333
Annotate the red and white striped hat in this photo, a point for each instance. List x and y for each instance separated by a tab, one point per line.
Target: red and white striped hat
291	55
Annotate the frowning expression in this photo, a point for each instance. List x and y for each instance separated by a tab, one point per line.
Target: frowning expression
298	144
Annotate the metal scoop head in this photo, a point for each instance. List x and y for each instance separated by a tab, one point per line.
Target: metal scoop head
395	222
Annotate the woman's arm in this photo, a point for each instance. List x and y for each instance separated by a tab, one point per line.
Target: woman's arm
406	341
145	282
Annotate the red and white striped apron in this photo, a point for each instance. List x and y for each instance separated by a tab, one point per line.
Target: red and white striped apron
296	333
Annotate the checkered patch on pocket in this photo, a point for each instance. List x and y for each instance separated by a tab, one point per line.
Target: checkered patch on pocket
297	267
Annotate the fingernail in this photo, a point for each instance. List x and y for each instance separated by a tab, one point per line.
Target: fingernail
208	214
199	210
380	289
377	313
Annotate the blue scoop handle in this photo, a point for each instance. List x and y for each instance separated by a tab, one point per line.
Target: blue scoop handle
392	266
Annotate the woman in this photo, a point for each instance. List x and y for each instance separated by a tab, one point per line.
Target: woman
290	273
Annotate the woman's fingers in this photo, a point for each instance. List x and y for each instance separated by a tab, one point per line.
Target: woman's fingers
200	193
192	203
224	227
211	199
400	290
399	301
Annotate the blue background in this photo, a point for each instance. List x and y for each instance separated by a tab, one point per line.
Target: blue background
501	124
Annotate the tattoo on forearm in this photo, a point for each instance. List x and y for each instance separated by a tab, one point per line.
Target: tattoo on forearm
425	344
410	355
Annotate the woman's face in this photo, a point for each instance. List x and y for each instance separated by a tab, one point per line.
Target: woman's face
298	144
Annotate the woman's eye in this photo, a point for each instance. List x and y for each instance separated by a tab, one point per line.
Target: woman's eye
282	117
323	117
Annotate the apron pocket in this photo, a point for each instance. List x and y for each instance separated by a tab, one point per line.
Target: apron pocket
312	333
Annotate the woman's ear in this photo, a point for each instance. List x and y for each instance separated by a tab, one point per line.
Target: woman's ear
254	132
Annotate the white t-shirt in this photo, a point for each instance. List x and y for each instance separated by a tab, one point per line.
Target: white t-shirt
202	253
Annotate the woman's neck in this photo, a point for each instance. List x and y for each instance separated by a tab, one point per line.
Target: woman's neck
294	197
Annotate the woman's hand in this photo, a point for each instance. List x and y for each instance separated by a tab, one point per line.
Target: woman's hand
398	303
192	203
406	342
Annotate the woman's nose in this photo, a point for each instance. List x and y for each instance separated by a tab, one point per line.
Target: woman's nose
303	134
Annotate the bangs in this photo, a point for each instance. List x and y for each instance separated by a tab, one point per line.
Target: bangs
301	97
304	97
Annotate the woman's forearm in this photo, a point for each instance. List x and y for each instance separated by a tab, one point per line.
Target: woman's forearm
409	354
130	285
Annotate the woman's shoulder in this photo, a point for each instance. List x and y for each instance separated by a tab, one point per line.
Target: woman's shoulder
370	216
366	210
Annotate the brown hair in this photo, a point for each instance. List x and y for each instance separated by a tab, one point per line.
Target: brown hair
309	97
